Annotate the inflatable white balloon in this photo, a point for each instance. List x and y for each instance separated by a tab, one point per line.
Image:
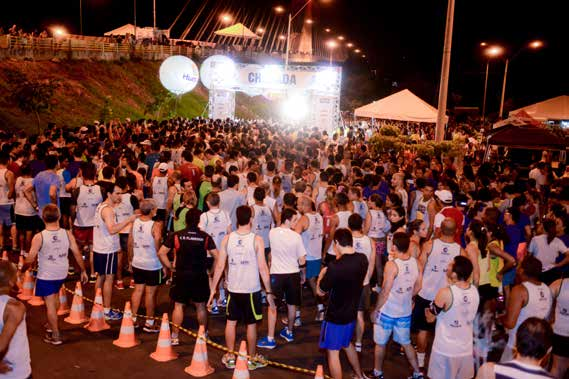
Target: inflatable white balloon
179	74
218	72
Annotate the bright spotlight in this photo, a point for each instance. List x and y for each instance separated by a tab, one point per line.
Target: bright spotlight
295	108
225	18
350	44
309	21
331	44
341	38
327	30
494	51
536	44
279	9
357	51
282	37
260	30
58	31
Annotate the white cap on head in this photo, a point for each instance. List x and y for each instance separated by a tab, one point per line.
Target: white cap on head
163	167
444	195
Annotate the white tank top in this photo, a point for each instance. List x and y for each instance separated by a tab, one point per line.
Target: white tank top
538	305
103	241
561	324
362	245
160	191
124	210
321	195
23	206
343	217
312	236
62	191
262	222
454	329
379	224
52	257
4	188
88	199
398	303
243	271
18	355
435	272
361	208
216	223
144	254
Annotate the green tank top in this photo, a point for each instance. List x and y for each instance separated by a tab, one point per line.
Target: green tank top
489	267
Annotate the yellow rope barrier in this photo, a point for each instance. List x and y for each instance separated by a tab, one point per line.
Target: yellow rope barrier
211	343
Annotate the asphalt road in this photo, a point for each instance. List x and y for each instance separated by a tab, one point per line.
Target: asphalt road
92	355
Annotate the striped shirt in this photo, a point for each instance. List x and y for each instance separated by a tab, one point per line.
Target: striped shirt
517	370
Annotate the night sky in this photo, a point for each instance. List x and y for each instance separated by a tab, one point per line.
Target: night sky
402	39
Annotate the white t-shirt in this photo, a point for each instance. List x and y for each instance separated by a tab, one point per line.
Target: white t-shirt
546	253
286	249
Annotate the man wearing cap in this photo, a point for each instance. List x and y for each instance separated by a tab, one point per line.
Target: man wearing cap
444	199
160	191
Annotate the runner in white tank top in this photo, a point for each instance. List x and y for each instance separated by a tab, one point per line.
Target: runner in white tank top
538	305
216	223
363	245
378	224
312	236
262	222
454	330
52	257
243	270
160	191
145	256
23	206
103	241
398	303
18	351
4	187
561	324
434	273
343	217
124	210
88	198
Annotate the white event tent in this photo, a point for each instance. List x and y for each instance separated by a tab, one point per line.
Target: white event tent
401	106
556	108
141	32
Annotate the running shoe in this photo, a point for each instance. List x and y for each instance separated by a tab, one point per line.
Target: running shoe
320	315
266	343
93	278
151	328
258	361
48	338
131	284
297	321
71	270
417	375
223	303
228	361
175	341
371	375
119	285
47	327
113	315
358	347
215	310
286	335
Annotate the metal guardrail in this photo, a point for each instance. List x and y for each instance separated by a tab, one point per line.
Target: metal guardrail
102	49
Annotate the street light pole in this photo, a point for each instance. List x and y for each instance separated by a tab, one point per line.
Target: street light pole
135	19
154	13
485	89
443	88
81	17
288	40
503	89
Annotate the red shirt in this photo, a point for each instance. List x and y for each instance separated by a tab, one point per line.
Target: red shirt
458	217
191	172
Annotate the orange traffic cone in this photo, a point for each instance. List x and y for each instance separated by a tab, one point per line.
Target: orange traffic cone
36	301
27	287
77	314
97	322
5	256
127	338
63	305
241	368
164	352
200	366
319	372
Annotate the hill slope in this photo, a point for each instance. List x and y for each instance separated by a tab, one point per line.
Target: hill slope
89	90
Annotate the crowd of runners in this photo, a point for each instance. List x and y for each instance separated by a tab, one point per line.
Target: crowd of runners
437	254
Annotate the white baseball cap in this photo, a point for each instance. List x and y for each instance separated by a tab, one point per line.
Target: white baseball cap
444	195
163	166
